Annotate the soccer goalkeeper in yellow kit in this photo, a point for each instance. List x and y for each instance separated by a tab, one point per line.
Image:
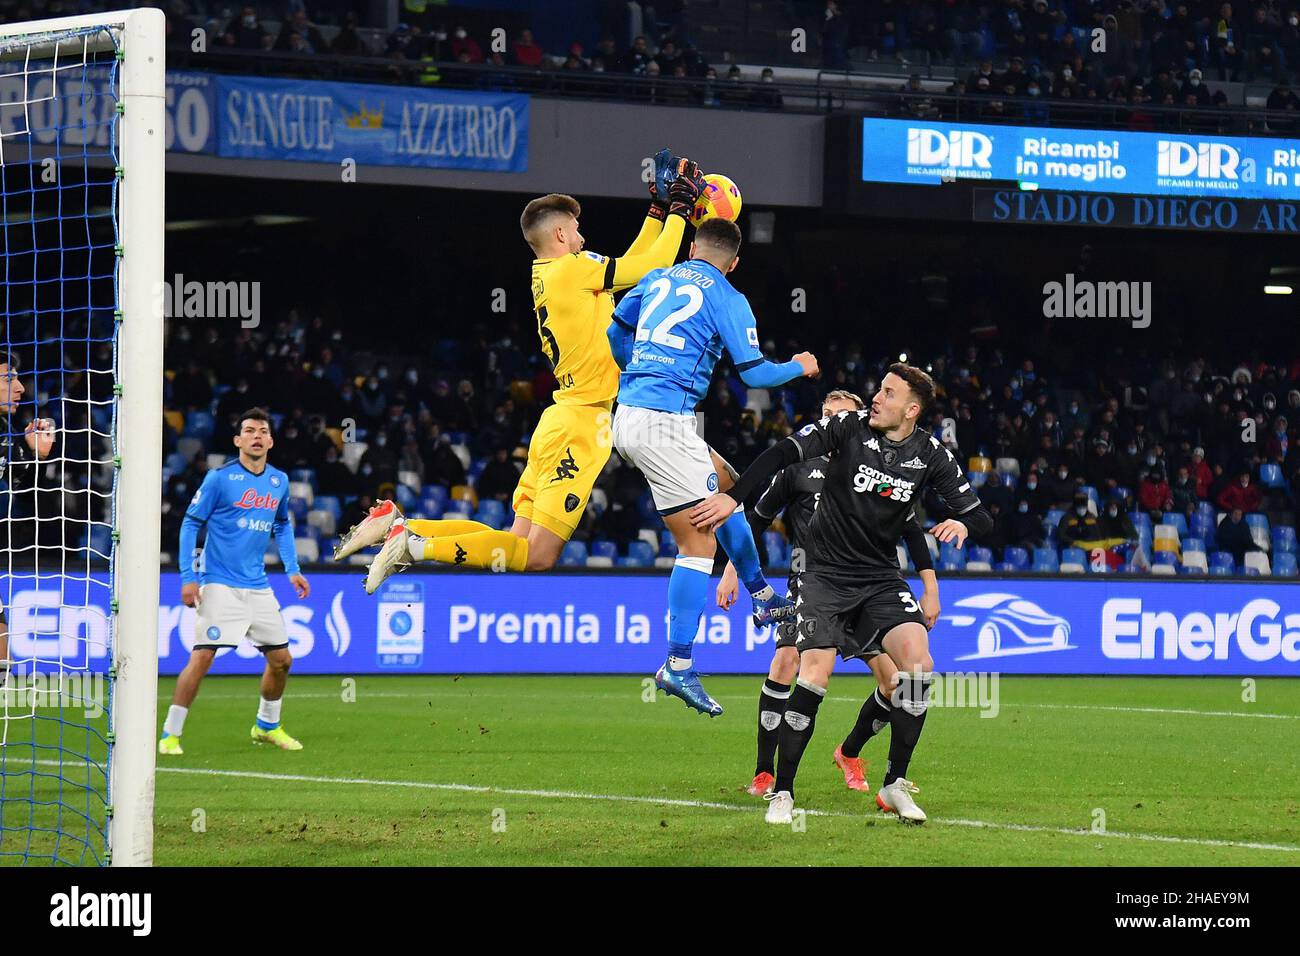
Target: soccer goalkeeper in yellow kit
573	299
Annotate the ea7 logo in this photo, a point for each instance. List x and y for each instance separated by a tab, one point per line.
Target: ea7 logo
956	149
1197	160
77	909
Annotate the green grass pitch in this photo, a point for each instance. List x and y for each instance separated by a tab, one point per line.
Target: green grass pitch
562	770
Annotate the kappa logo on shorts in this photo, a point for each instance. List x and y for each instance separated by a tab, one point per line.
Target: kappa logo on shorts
461	554
571	502
567	467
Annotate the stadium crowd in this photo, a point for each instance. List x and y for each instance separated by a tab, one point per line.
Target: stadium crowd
1061	461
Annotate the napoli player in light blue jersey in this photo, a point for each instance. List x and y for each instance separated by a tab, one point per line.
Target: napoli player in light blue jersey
242	503
667	335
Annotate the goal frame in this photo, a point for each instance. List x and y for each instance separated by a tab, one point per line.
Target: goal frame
140	35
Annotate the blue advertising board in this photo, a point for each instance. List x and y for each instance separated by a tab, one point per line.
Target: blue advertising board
447	623
319	122
1089	160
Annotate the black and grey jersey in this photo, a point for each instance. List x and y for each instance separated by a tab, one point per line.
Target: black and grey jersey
13	453
871	490
794	490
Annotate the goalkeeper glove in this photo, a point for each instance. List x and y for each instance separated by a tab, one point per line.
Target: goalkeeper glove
665	171
686	189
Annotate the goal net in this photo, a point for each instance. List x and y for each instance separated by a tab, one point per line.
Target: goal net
81	209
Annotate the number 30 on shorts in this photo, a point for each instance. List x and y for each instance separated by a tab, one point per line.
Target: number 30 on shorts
909	602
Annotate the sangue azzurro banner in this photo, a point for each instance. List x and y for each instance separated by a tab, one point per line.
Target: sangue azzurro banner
254	118
444	623
381	125
1091	160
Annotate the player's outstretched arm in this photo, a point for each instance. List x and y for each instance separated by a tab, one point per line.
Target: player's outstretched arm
738	330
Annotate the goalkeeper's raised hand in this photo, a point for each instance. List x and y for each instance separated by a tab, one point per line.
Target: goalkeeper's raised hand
686	189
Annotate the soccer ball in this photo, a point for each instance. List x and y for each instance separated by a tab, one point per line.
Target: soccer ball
721	197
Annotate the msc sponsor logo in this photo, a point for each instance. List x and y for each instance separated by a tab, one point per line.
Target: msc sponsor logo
1007	624
1259	631
954	149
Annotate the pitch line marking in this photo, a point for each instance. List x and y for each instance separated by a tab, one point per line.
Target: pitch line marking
701	805
840	700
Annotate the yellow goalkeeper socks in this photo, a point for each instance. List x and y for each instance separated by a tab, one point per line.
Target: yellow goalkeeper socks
491	550
428	528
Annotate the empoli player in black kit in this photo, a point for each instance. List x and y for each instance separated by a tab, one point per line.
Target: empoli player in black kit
853	598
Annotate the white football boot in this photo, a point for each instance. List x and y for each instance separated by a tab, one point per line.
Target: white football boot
394	556
780	807
897	798
371	530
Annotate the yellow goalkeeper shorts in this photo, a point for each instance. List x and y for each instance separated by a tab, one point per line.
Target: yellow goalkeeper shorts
565	457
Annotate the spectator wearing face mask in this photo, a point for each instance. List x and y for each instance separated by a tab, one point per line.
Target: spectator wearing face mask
381	459
1078	528
462	42
1202	473
1026	527
1183	490
1242	494
1154	496
1062	487
1115	525
1194	88
1279	441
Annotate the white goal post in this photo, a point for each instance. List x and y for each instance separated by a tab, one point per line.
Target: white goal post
138	37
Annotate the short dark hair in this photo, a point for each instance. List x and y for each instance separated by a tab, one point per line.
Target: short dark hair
921	384
257	415
8	358
542	208
720	234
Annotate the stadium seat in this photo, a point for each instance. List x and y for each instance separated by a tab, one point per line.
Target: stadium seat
1053	518
951	557
300	489
596	561
1192	570
476	468
436	493
307	549
947	565
1094	499
978	553
1008	481
1164	569
1256	560
1165	546
331	504
216	459
431	508
979	463
176	463
641	554
667	546
199	424
666	564
1166	533
645	506
1018	558
406	499
651	537
1046	561
1257	520
1218	570
1073	561
574	554
175	419
1270	476
411	479
774	545
324	520
1007	466
1223	559
464	493
1195	561
458	509
353	452
492	519
984	566
1203	528
1176	520
1192	544
1206	509
305	530
1140	520
977	479
304	475
598	503
495	508
604	549
298	507
1164	557
1284	564
189	448
1261	539
1284	539
904	559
